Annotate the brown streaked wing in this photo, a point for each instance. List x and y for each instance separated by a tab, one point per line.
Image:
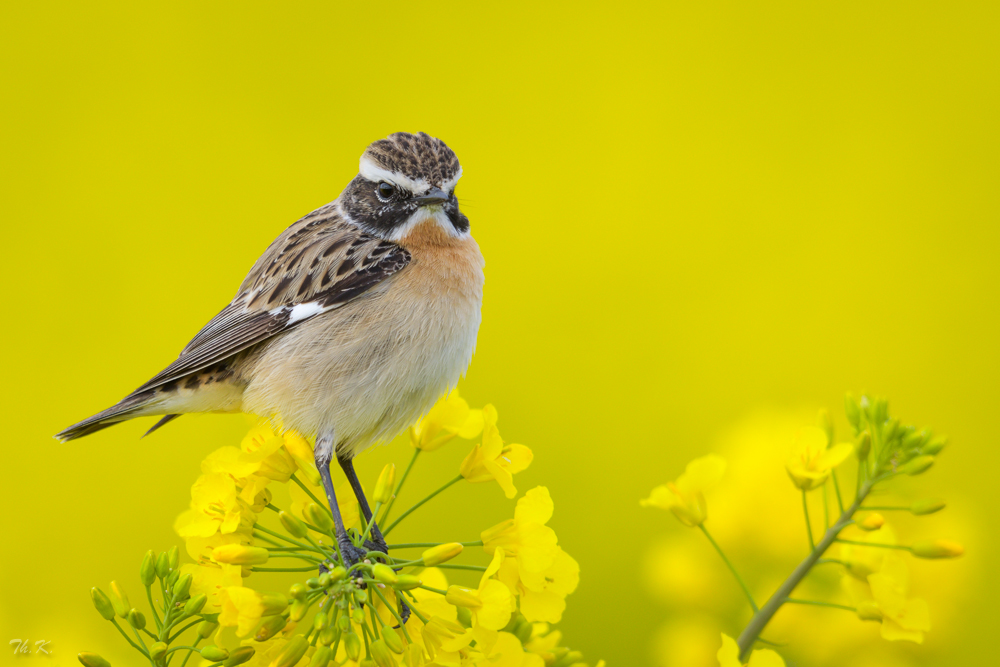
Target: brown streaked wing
321	259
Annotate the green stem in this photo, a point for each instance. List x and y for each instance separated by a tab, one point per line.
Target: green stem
739	579
129	640
194	650
875	544
368	528
283	569
836	487
279	535
180	648
309	493
760	620
450	566
809	530
434	590
406	473
819	603
407	513
392	610
427	545
182	630
156	616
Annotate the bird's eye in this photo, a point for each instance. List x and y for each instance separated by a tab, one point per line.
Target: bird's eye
385	191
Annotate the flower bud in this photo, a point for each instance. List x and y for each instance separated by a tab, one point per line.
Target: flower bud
917	465
102	604
407	582
92	660
869	611
320	620
321	657
157	650
463	597
271	626
441	553
299	609
852	410
889	429
385	484
928	506
392	640
352	644
338	573
273	603
162	566
119	600
172	578
935	446
329	635
384	573
312	582
937	549
296	648
239	655
360	595
414	656
214	653
358	615
173	558
182	587
864	445
237	554
381	654
914	440
324	580
318	517
206	628
872	521
344	623
136	619
297	591
292	524
147	571
195	604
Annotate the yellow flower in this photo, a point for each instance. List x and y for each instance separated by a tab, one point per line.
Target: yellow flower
449	418
215	508
685	497
526	538
505	651
212	580
862	561
902	618
813	458
494	460
543	594
729	656
243	608
490	604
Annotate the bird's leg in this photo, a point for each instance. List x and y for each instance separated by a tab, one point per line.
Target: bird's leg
323	454
348	466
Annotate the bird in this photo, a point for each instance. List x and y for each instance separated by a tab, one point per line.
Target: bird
349	327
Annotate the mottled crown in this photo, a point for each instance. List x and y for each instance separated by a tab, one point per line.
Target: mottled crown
419	157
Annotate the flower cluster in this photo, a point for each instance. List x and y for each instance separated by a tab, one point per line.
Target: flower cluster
875	572
381	612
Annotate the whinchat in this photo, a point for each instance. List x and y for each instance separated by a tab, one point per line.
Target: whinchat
349	327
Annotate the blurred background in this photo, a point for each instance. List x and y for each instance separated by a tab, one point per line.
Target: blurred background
702	221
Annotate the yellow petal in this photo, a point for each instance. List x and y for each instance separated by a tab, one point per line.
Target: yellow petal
545	606
893	631
472	426
661	497
516	457
496	609
702	474
536	506
836	455
765	658
729	653
502	476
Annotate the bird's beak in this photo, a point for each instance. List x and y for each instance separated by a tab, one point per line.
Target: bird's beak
433	196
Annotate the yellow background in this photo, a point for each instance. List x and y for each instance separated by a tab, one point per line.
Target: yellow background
691	212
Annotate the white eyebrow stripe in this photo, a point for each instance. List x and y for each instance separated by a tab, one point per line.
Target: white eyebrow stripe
450	184
375	173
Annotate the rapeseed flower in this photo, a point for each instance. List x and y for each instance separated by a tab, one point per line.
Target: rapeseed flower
450	418
243	608
493	460
685	497
813	458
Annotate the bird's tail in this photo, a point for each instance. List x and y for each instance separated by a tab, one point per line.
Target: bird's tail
133	405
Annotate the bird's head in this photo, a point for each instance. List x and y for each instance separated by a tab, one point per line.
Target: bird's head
405	180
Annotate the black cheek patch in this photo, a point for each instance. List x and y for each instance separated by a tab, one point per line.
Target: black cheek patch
458	220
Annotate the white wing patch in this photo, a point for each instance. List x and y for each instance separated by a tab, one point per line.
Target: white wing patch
299	311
